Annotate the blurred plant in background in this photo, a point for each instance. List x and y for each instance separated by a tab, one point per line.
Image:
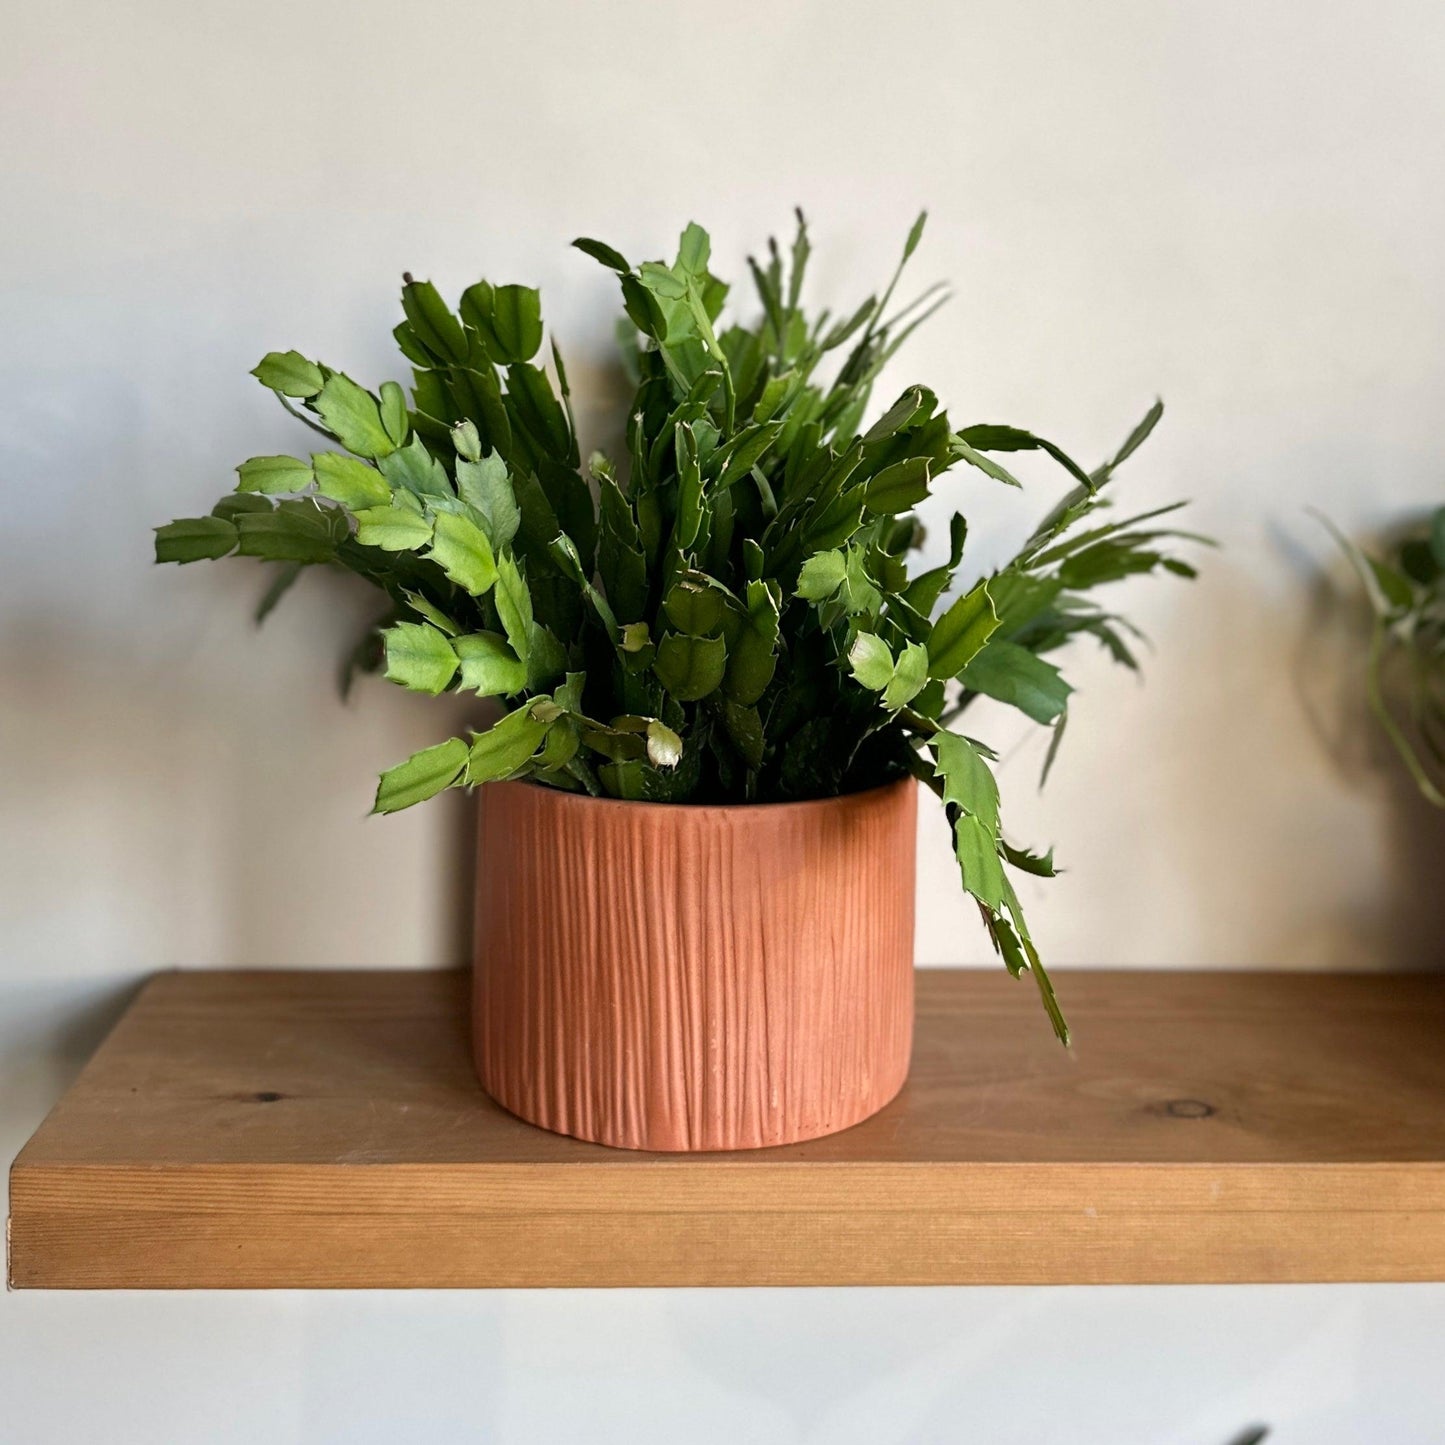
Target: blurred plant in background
1405	668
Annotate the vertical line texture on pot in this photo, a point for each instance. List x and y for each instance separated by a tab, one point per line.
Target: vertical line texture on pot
670	977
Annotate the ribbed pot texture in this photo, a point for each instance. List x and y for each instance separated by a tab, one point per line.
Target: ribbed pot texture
669	977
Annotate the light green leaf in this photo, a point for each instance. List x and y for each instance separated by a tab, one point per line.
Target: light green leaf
419	657
421	776
506	747
822	576
396	528
514	606
393	412
460	548
414	468
909	675
967	778
1012	674
489	666
289	373
431	612
634	637
353	417
960	634
898	488
485	485
195	539
348	481
871	661
273	475
467	440
977	851
690	668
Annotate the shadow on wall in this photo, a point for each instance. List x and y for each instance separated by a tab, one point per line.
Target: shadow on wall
1329	677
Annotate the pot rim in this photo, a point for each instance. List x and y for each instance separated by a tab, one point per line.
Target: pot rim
563	797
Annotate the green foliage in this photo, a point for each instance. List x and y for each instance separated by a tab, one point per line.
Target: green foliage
1407	597
729	614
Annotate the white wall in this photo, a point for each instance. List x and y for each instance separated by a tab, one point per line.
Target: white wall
1236	205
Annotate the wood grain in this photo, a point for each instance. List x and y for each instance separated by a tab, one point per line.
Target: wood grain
325	1129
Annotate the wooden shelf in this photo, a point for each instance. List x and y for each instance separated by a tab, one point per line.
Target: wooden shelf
324	1129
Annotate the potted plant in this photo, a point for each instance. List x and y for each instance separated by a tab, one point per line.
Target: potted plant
1406	591
719	677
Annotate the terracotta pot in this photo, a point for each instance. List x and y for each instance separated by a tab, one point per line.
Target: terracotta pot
658	976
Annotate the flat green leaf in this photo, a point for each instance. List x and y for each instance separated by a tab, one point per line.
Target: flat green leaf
601	251
460	548
234	503
898	488
517	322
485	485
960	634
393	412
976	849
433	614
690	668
195	539
910	673
276	476
694	607
753	653
353	417
414	468
489	666
395	528
822	576
348	481
985	464
432	321
1012	674
988	437
514	606
1437	536
421	776
507	746
419	657
289	373
967	778
292	532
871	661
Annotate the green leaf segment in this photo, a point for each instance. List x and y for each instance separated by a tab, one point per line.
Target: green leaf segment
727	614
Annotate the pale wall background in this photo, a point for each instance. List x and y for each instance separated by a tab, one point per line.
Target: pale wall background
1237	205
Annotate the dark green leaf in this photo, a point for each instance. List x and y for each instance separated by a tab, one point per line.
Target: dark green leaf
690	668
961	633
1014	675
600	251
195	539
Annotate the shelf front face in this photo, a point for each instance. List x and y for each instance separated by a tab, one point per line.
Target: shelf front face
324	1129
